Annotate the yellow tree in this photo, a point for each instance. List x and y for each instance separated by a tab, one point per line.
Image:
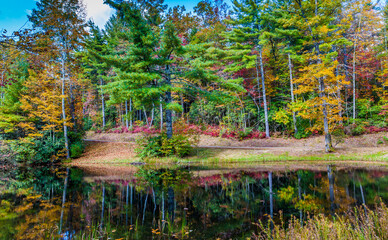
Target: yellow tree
42	102
63	21
323	107
318	77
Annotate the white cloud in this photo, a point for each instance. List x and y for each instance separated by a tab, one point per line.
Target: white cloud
98	11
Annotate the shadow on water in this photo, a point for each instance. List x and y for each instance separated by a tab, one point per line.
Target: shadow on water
182	202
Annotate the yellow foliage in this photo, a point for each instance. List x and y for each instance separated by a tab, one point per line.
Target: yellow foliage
282	116
42	102
308	82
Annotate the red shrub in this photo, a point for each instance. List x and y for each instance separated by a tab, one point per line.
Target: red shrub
374	129
213	131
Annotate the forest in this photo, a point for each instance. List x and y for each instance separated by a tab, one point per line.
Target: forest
251	69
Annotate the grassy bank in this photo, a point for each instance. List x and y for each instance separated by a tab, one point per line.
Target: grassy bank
203	155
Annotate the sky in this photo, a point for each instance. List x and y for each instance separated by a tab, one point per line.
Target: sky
13	13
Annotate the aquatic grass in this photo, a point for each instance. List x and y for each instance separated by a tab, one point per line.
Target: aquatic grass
94	231
362	223
90	232
172	229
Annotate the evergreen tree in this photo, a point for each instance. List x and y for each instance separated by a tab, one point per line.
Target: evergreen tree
14	71
246	50
96	70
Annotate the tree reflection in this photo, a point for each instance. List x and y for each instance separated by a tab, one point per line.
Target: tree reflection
174	202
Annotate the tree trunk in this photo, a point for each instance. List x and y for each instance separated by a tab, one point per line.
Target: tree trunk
102	206
270	194
122	110
130	112
363	200
328	144
146	117
126	205
354	83
331	189
126	114
152	114
354	73
163	211
131	202
339	95
171	203
161	113
102	104
292	93
168	101
145	206
72	106
270	198
264	95
63	200
64	109
300	198
154	199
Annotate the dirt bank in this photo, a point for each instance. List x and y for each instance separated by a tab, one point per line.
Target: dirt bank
105	152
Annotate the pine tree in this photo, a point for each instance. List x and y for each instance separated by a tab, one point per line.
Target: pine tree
155	64
97	71
14	71
170	46
246	51
291	42
133	58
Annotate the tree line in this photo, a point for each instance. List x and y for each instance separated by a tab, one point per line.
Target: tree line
296	67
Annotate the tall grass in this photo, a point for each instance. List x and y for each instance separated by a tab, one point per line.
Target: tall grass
362	223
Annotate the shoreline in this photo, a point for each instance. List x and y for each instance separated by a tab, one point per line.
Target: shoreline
113	149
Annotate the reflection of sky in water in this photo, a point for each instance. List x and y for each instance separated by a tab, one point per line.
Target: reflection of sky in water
200	204
67	235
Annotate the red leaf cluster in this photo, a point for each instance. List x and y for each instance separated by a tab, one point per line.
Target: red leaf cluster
374	129
213	131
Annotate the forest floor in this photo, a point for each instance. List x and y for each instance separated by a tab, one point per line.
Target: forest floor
114	150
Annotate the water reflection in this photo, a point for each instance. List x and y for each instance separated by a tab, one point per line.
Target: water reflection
174	203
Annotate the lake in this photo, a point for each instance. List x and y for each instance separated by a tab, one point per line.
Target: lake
177	202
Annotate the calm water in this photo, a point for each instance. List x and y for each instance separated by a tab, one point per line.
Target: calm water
175	203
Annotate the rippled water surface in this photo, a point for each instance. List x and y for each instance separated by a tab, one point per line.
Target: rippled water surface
185	202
